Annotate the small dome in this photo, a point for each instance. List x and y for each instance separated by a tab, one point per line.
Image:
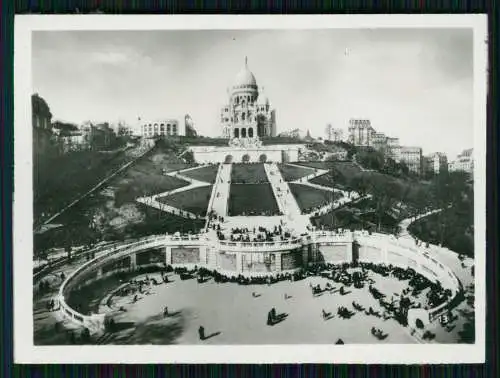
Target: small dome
262	99
245	77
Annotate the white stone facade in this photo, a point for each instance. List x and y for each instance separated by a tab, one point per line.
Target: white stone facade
248	114
161	128
464	162
275	154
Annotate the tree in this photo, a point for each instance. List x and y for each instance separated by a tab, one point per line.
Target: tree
449	190
385	195
329	131
421	201
404	168
391	167
188	157
371	159
359	184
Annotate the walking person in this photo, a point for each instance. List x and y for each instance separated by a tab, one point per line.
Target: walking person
201	333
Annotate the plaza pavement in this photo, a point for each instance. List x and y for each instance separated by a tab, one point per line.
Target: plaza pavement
229	311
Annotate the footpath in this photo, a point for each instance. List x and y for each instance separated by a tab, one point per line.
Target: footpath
285	199
220	192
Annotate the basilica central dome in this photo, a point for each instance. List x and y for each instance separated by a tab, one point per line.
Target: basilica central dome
245	78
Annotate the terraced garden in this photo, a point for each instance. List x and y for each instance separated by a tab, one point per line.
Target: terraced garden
293	172
248	173
309	198
192	200
252	200
206	173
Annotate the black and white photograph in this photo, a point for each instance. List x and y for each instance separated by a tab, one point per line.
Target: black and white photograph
250	188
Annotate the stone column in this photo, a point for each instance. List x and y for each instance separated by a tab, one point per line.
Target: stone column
133	261
277	262
239	263
203	255
349	250
168	255
305	257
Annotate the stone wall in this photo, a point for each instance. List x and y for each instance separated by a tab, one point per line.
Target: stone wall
206	155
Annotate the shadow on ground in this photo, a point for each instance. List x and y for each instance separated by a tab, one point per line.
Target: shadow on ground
157	330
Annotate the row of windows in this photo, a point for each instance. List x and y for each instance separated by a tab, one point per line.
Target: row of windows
170	129
161	125
161	132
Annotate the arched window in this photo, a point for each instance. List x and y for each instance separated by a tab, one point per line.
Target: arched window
243	116
243	133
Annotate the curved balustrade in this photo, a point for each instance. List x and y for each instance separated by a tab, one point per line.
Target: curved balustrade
389	247
372	248
95	322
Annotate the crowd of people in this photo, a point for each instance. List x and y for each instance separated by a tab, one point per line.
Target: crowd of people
257	234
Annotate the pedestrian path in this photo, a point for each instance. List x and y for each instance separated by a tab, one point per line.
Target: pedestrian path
405	223
316	172
443	254
285	200
220	193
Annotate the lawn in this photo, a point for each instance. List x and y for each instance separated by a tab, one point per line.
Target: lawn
309	198
158	222
248	174
292	172
341	218
253	199
133	220
346	218
207	173
192	200
315	164
138	182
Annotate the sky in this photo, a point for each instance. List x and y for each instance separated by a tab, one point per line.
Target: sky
415	84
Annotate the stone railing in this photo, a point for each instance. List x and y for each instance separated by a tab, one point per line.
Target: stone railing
95	322
331	236
421	261
267	246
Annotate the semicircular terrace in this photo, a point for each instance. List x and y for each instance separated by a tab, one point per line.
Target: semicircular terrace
260	259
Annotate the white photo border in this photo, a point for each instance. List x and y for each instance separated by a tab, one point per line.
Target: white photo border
24	349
